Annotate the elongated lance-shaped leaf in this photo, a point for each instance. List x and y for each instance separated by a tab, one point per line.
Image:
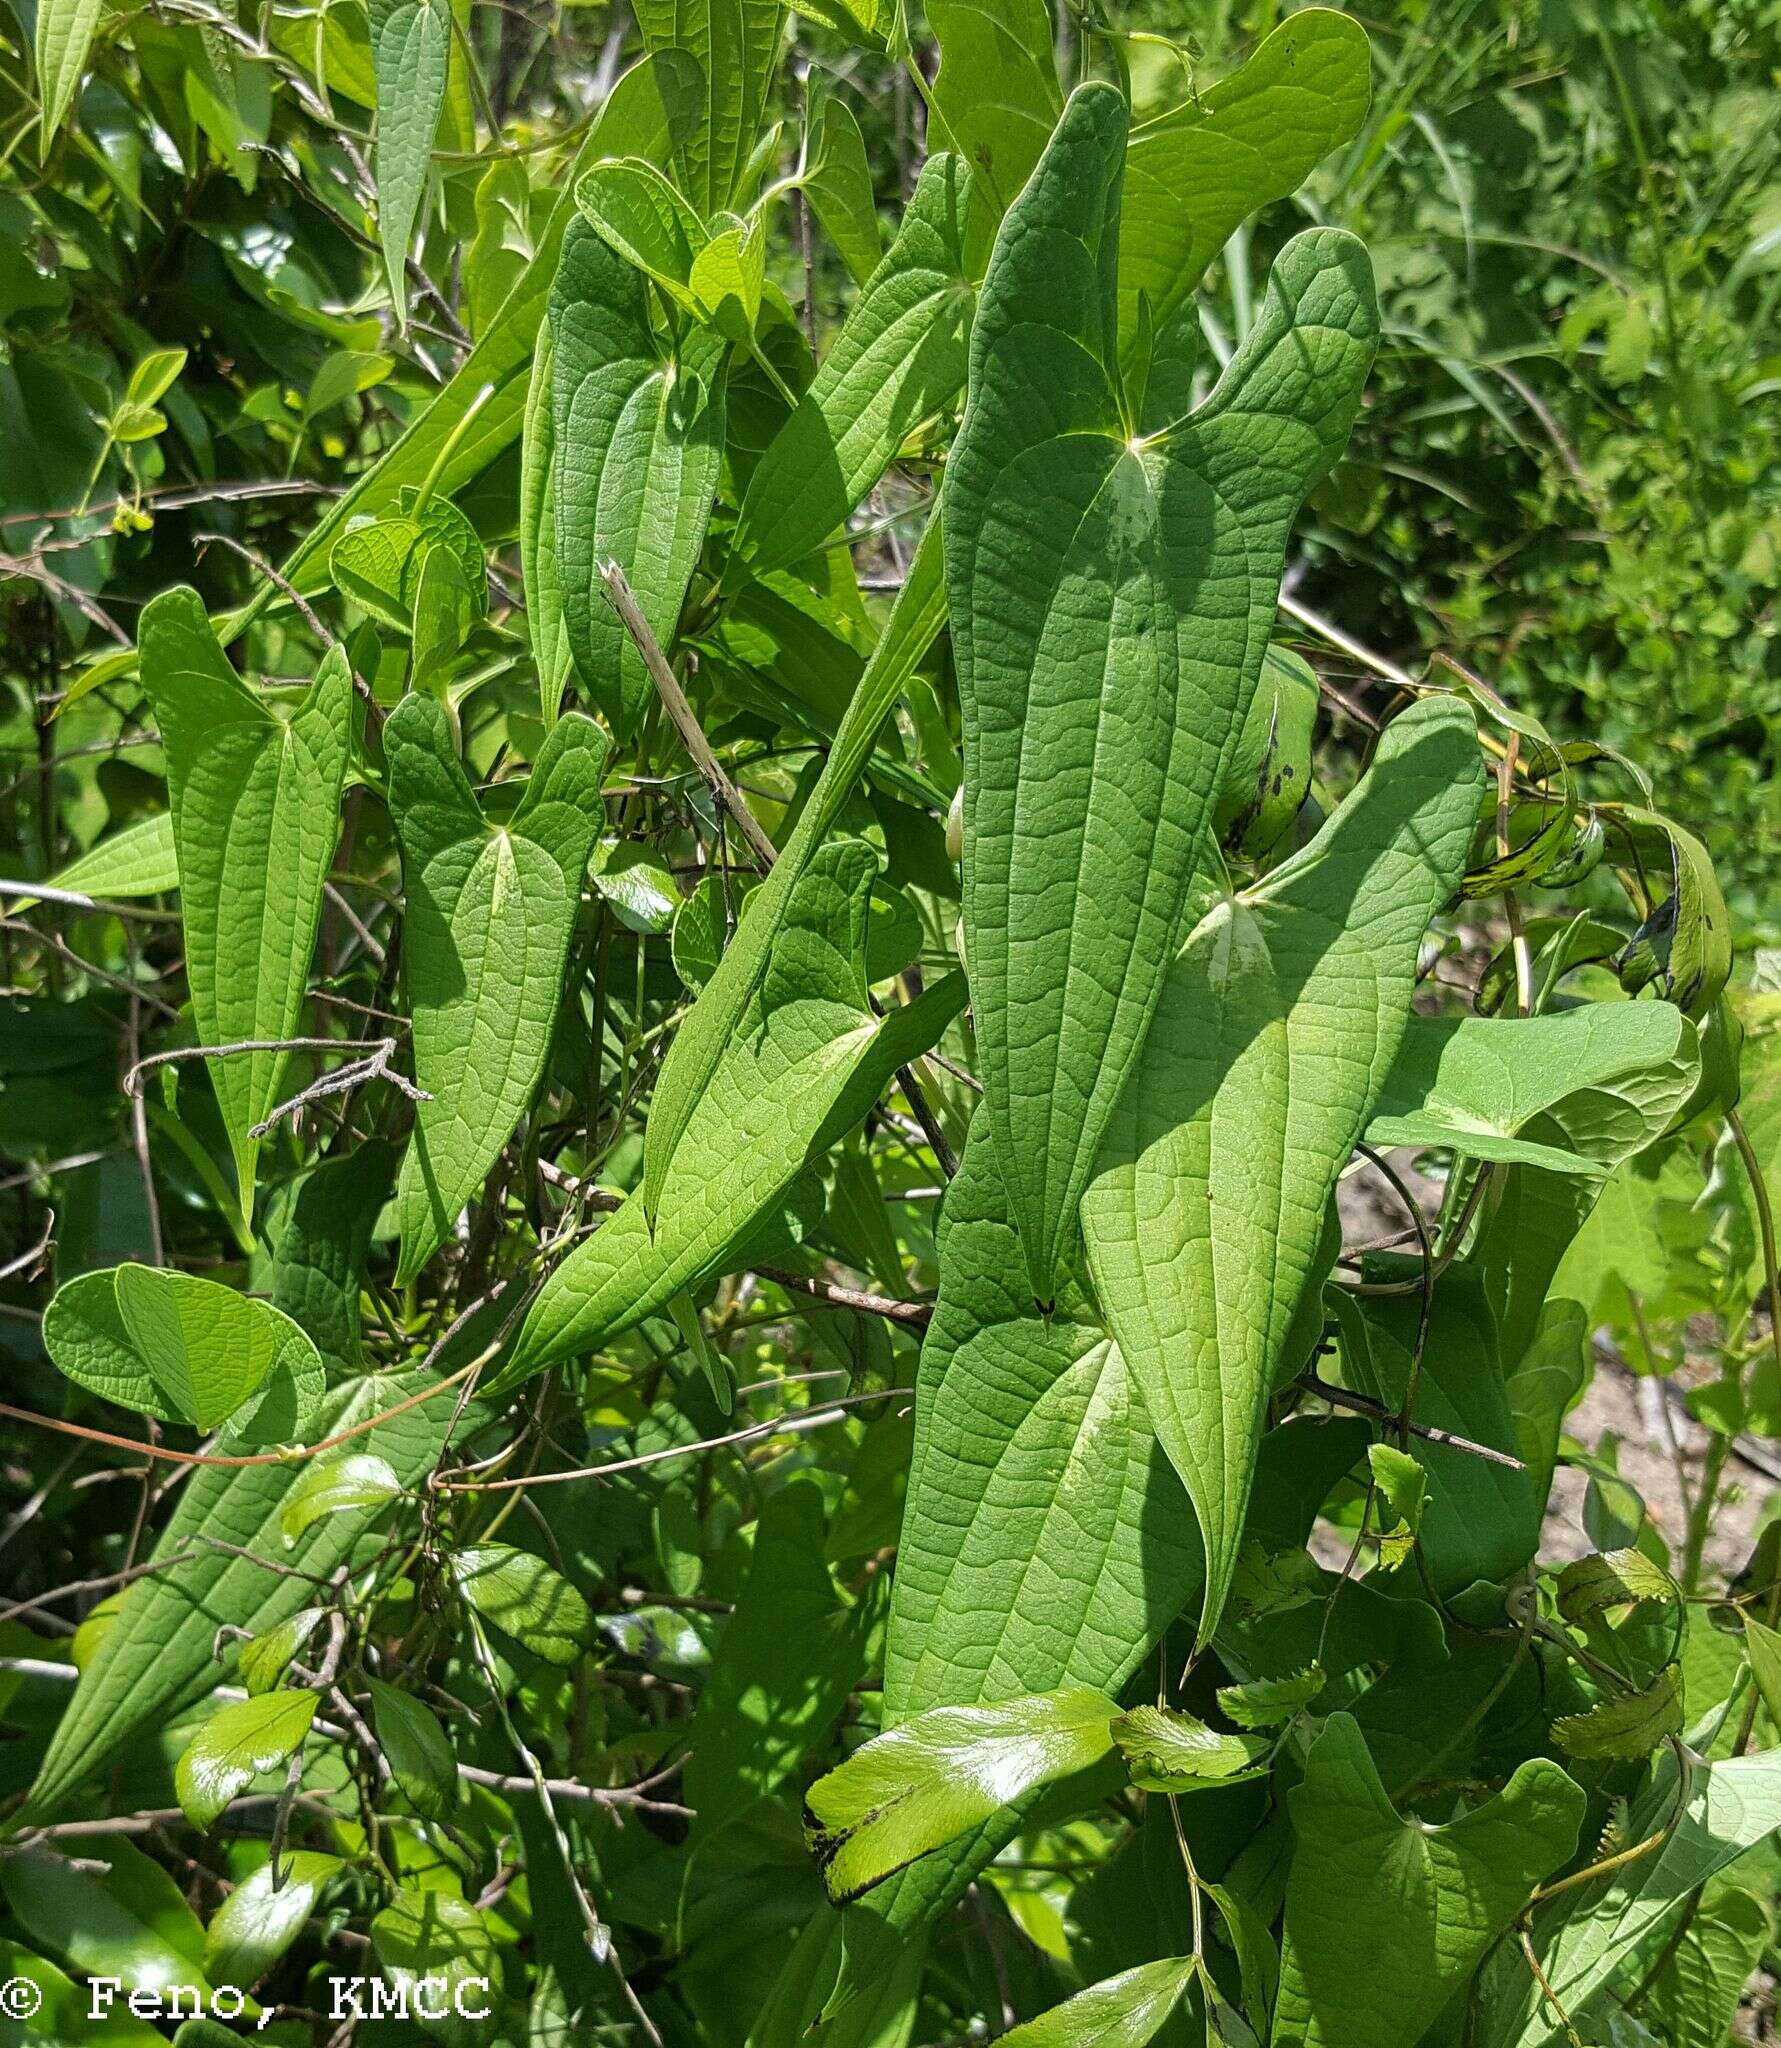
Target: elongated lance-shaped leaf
736	46
489	914
256	816
138	861
807	1061
707	1032
1111	599
1446	1892
545	624
638	445
1277	1026
1200	171
158	1657
899	357
65	30
413	45
478	413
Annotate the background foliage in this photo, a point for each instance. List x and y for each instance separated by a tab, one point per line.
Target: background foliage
569	1735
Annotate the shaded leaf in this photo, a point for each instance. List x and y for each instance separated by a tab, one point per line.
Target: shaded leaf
489	914
1446	1892
417	1748
1278	1023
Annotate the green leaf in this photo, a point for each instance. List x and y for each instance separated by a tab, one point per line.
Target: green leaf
256	810
184	1349
1611	1931
158	1658
1445	1892
1482	1519
729	273
330	1486
708	1032
413	62
1123	2012
838	182
235	1745
545	625
112	1914
638	432
996	92
1092	658
208	1349
341	376
735	44
138	861
417	1748
64	2009
255	1924
929	1779
523	1596
899	358
265	1660
65	30
1196	173
1269	775
1609	1579
1046	1541
1167	1750
1270	1702
1278	1022
1763	1645
503	245
479	411
784	1666
1626	1726
444	612
1685	945
636	884
320	1242
1597	1084
1694	1997
1402	1487
439	1954
805	1062
490	910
